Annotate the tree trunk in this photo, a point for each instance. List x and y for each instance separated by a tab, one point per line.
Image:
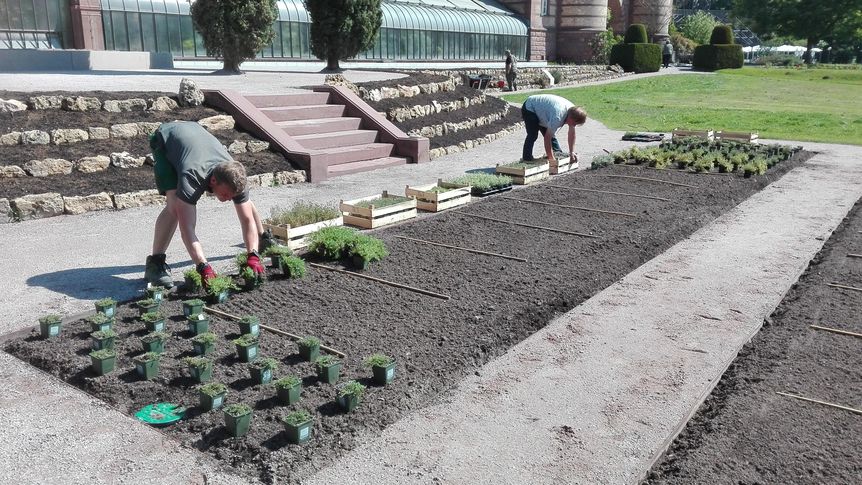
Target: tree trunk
231	65
332	64
809	55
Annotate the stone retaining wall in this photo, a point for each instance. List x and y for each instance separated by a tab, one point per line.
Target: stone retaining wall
468	144
403	113
88	103
446	128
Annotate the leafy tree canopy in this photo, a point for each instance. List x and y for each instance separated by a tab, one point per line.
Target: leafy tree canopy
698	27
340	29
234	30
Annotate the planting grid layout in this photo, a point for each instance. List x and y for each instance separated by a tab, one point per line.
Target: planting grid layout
763	437
495	303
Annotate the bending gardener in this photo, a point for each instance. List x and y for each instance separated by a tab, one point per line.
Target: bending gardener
547	113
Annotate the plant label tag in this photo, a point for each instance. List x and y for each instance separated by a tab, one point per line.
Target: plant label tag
252	352
217	400
160	326
390	373
255	329
105	326
267	375
53	330
109	311
201	317
303	433
157	296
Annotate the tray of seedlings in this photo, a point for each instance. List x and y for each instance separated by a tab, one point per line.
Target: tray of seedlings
378	210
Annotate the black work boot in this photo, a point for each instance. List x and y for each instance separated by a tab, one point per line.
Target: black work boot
157	271
265	241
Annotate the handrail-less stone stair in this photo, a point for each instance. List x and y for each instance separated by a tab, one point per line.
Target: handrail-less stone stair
327	132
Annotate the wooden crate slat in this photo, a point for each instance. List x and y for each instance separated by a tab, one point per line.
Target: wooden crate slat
558	168
349	207
366	223
296	237
438	206
530	178
522	171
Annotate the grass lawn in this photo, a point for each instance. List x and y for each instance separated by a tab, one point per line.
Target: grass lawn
807	104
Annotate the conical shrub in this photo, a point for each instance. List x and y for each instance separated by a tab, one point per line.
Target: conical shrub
721	34
636	34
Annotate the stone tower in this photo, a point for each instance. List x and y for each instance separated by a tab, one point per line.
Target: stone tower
561	30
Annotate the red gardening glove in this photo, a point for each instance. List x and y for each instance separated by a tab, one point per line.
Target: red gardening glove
254	263
207	273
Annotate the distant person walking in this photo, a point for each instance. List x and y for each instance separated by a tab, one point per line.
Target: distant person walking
667	53
511	71
547	113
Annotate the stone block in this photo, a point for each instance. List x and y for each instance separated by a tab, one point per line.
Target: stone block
38	206
162	103
45	102
126	160
148	127
81	103
290	177
9	171
217	122
189	94
98	133
138	199
87	203
237	147
124	105
11	138
70	135
267	179
6	214
92	164
12	106
125	130
48	166
35	137
255	146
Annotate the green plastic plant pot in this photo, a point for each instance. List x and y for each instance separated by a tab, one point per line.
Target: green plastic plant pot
309	353
202	374
298	434
247	353
192	307
237	426
197	325
157	294
359	262
252	327
157	346
157	326
218	297
248	285
261	376
148	308
103	366
289	395
383	375
105	343
49	330
101	327
348	403
107	310
208	403
147	370
203	349
330	373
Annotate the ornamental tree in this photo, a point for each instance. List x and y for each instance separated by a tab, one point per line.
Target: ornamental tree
234	30
340	29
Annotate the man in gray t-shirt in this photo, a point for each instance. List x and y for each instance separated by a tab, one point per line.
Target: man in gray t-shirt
546	113
188	162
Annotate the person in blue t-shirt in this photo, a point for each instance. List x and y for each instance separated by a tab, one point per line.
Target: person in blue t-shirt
547	113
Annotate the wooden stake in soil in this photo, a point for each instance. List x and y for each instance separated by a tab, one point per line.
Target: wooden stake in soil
831	405
851	255
626	214
845	287
571	233
378	280
469	250
836	330
625	194
678	184
276	331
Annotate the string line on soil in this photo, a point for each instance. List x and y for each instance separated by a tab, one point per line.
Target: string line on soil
851	255
587	209
624	194
845	287
469	250
678	170
289	335
571	233
831	405
379	280
836	330
678	184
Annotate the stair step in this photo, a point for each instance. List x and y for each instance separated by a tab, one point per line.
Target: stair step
364	165
339	155
319	125
318	141
298	99
309	112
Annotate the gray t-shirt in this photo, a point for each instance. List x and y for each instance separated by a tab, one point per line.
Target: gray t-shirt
193	152
550	109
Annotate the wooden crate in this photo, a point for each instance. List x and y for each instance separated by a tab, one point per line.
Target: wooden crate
705	134
373	217
740	136
556	168
297	237
437	201
525	175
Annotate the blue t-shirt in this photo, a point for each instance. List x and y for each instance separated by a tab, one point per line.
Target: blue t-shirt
550	109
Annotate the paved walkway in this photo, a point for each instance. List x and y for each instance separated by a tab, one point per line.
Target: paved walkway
615	377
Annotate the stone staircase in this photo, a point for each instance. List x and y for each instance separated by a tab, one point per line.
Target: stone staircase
327	132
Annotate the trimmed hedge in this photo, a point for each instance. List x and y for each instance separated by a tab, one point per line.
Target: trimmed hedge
637	57
715	57
636	34
721	34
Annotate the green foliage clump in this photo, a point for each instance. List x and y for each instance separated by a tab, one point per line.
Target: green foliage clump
484	181
151	317
234	30
245	340
197	362
292	266
325	361
217	285
297	417
719	56
340	29
104	334
98	319
213	389
721	34
205	338
637	58
309	342
698	27
106	302
331	242
193	277
237	410
352	388
703	164
148	357
378	360
602	161
265	363
287	382
277	250
301	214
367	249
636	34
155	337
103	354
382	201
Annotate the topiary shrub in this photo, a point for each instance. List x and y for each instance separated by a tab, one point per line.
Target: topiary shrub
721	34
636	34
715	57
637	57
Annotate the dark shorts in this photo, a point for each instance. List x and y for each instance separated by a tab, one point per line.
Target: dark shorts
166	176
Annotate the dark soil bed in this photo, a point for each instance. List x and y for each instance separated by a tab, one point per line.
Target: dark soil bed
495	303
491	105
746	433
511	118
414	78
460	92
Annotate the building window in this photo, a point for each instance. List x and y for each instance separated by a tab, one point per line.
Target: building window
545	7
